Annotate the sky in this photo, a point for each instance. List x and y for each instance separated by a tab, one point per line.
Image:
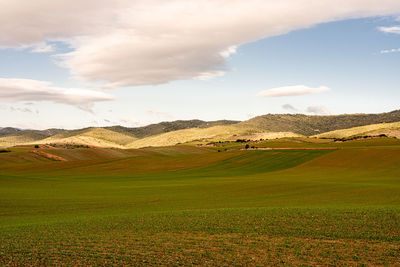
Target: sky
73	64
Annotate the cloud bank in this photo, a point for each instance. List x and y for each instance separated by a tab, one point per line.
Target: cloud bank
292	91
142	42
17	90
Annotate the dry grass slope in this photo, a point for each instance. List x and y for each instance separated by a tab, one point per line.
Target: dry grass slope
215	133
390	129
311	125
268	126
98	137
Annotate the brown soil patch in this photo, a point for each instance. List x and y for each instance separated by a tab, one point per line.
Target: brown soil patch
48	155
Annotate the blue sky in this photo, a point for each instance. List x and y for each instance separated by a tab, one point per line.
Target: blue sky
345	56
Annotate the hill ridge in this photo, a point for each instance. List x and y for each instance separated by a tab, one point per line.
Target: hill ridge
180	131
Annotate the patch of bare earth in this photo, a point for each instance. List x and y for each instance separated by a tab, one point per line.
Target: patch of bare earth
199	248
48	155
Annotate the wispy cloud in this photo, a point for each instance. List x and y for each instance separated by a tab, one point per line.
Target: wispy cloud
388	51
392	29
292	91
129	43
18	90
319	110
24	110
290	108
19	109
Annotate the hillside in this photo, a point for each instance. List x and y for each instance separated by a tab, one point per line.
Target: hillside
216	133
268	126
13	136
389	129
115	136
98	137
165	127
311	125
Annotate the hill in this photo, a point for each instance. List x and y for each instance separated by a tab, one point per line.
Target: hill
98	137
165	127
268	126
311	125
119	136
13	136
114	136
216	133
389	129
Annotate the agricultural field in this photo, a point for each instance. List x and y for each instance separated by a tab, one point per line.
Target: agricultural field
334	203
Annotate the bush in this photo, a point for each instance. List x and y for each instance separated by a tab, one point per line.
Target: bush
247	146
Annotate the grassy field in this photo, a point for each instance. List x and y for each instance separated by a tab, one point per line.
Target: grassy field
188	205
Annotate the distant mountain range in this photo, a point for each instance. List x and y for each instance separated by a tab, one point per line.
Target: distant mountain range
181	131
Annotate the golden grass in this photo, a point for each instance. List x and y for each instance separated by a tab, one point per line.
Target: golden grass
98	137
390	129
215	133
13	140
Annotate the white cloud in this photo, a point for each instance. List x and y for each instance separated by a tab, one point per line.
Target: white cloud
319	110
127	43
290	108
295	90
17	90
393	29
43	48
387	51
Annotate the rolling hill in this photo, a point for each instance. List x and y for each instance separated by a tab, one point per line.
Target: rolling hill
13	136
165	127
98	137
216	133
312	125
389	129
268	126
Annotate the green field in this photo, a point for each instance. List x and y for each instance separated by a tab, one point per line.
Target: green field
187	205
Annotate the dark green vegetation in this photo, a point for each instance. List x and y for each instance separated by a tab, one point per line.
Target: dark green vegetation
186	205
